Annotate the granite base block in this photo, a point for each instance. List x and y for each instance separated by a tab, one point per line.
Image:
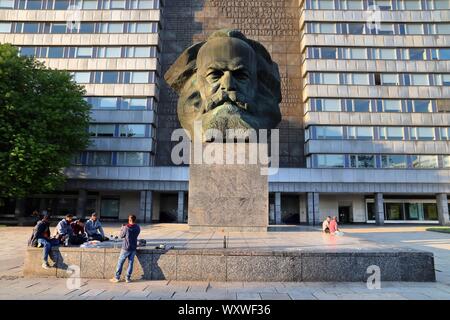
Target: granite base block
239	265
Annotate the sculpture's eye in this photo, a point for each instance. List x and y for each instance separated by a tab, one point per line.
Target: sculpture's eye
215	75
240	74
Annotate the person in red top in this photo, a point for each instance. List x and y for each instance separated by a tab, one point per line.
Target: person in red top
79	234
333	225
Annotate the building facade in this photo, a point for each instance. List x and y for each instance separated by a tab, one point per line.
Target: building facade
365	134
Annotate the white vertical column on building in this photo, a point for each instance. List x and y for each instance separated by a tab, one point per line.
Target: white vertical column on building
180	210
313	208
277	208
442	206
379	209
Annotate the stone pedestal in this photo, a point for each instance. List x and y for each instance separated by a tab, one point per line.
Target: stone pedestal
231	196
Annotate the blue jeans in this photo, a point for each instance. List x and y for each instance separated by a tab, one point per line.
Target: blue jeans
47	244
123	256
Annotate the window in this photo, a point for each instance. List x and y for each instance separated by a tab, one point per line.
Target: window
411	5
419	79
414	28
326	4
444	54
84	52
110	77
328	53
391	133
141	52
331	105
134	103
386	28
446	161
77	159
102	130
417	54
446	79
117	4
27	51
393	161
33	5
394	211
110	52
327	28
142	27
358	53
55	52
445	133
384	4
144	4
441	4
360	133
112	27
330	78
443	28
362	161
82	77
389	79
361	105
139	77
99	158
104	103
329	132
330	161
86	27
7	4
130	158
359	78
355	28
5	27
424	162
58	28
61	4
387	54
132	130
422	106
422	133
392	106
89	4
31	27
352	5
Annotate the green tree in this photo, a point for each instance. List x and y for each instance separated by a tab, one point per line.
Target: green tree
43	121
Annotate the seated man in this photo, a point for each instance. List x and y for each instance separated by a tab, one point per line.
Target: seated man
79	234
41	238
94	229
64	231
326	225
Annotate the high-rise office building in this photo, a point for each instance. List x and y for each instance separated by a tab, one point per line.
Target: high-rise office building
365	133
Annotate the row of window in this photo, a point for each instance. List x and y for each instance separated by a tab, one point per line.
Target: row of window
377	79
398	210
380	4
120	130
378	53
122	103
377	133
82	27
112	158
112	77
79	4
378	28
371	105
367	161
90	52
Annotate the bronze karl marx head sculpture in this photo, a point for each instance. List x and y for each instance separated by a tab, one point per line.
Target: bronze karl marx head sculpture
226	82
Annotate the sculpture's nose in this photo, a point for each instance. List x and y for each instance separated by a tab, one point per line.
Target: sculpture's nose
227	83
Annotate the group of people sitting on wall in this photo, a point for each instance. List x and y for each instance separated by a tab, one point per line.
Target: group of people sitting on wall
76	232
330	226
68	232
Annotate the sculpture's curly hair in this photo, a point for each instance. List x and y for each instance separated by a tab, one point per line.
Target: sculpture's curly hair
181	76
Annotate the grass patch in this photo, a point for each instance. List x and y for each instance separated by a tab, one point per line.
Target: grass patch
440	229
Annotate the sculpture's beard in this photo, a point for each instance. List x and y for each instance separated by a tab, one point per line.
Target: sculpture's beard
223	111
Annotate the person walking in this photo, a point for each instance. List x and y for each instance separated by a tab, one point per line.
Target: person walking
129	233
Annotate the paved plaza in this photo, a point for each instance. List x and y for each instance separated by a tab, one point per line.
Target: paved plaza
14	286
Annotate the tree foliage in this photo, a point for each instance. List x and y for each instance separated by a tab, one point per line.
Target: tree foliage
43	121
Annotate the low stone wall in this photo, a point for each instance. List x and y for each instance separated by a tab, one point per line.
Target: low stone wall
237	265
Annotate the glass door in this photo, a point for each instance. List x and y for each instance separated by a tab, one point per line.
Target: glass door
110	208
